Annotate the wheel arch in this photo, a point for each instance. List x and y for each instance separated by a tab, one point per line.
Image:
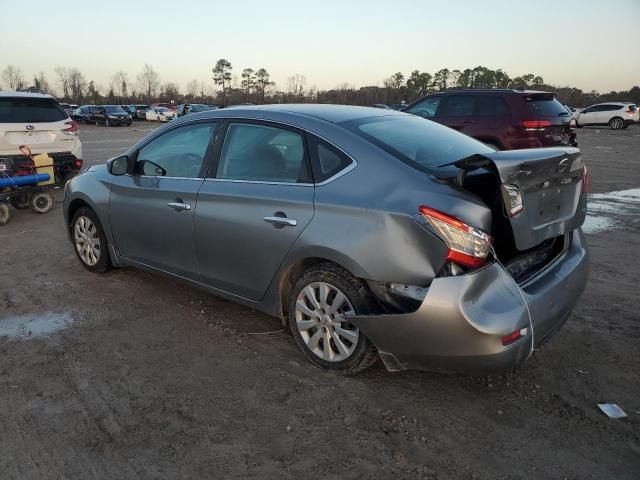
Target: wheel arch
297	266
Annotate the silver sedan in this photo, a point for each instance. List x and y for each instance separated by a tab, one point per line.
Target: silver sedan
371	233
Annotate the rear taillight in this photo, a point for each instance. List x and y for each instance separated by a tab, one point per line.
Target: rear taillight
467	246
79	163
72	127
585	180
536	125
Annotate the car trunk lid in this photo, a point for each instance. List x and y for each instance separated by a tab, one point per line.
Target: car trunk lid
541	191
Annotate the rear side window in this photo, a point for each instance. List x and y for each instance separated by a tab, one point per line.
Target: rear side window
30	110
263	153
545	105
492	106
459	106
423	144
326	159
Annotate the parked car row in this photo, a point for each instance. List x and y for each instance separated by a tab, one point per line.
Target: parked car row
109	115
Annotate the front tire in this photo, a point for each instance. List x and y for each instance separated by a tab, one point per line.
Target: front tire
319	306
616	123
90	241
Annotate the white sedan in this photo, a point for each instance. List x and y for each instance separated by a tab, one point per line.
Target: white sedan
160	114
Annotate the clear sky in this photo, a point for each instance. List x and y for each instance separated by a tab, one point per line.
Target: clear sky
590	44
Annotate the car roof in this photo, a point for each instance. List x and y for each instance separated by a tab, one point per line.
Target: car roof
492	90
328	112
8	93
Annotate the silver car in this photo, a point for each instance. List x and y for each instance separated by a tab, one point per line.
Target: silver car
371	233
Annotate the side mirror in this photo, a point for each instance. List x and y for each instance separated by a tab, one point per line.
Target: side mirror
118	166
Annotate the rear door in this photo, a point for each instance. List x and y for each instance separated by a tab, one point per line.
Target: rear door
152	208
38	122
255	204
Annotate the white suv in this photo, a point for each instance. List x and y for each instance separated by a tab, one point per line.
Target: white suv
615	114
36	120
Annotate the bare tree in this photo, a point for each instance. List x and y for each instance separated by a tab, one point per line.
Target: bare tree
63	80
171	91
40	83
295	84
77	84
13	76
149	81
120	84
192	88
222	76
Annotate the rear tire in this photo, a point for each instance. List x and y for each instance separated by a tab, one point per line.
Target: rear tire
20	202
5	214
90	241
41	202
616	123
319	305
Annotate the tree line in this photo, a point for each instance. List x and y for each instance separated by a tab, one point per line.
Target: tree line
256	86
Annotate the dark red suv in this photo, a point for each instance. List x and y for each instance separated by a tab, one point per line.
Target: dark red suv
505	119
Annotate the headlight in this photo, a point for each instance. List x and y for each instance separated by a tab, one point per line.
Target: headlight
112	116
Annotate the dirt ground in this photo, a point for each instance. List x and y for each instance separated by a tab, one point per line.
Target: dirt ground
148	378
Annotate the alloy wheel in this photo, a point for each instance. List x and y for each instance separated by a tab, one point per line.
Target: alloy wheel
321	318
87	240
617	123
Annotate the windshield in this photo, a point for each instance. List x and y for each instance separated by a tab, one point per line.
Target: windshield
545	105
30	110
420	143
162	109
113	109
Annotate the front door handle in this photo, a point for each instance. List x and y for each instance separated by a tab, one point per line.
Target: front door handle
179	206
281	221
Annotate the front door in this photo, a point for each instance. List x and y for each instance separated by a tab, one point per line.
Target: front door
459	112
249	216
152	208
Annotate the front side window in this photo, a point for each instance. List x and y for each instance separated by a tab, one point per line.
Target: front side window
427	108
176	153
255	152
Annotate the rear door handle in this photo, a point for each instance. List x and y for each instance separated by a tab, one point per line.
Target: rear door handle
281	221
179	206
469	121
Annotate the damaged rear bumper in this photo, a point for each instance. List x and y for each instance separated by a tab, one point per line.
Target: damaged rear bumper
460	323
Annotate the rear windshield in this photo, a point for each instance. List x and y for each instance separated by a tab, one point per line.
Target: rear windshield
30	110
545	105
633	108
418	142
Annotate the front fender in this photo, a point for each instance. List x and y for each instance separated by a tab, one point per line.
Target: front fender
91	188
